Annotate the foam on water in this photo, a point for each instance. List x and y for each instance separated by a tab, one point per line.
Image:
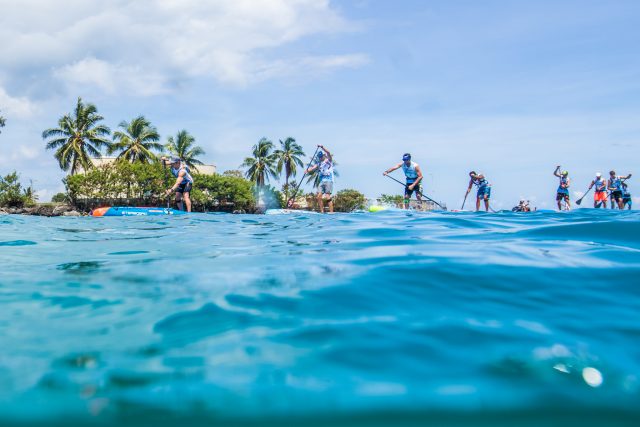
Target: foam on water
391	318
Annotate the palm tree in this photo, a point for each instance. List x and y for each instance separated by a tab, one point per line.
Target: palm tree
262	165
2	122
136	140
78	136
288	157
183	146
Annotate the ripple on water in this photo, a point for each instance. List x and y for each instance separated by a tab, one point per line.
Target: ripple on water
18	243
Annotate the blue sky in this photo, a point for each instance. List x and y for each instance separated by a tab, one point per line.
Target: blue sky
509	88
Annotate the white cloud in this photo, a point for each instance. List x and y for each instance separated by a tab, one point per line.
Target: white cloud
146	46
19	107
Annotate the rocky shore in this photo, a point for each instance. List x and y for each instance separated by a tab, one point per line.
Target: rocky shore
43	210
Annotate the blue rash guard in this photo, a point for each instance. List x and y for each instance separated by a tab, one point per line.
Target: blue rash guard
325	169
410	172
563	188
484	188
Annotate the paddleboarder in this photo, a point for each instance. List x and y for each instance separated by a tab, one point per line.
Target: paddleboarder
626	197
615	187
413	176
562	194
183	184
600	194
324	164
484	189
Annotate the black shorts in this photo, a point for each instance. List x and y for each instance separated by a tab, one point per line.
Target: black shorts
184	188
562	196
408	193
616	195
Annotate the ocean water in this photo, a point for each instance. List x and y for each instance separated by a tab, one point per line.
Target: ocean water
393	318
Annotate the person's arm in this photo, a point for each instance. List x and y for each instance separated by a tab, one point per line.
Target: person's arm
391	169
326	152
557	171
592	184
312	168
626	177
418	179
567	184
470	185
179	180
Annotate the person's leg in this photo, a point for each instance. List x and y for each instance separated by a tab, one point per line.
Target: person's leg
179	201
320	204
329	200
486	202
187	200
407	197
567	202
477	203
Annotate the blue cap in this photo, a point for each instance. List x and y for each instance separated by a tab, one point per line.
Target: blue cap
406	157
320	154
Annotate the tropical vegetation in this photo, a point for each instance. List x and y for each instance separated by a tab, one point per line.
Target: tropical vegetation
262	165
183	146
288	158
78	137
13	194
136	141
142	184
3	122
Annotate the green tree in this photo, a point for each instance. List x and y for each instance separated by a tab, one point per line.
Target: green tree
13	195
262	165
59	198
78	136
349	200
233	172
395	200
3	122
288	158
136	141
183	146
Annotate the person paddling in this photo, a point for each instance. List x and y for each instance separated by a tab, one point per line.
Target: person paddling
600	194
626	197
324	164
615	186
523	206
413	175
183	184
563	189
484	189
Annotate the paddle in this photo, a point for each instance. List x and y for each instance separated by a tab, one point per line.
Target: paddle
293	196
464	201
166	183
418	192
583	196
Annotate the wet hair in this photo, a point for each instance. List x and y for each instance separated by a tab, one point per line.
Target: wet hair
612	173
472	173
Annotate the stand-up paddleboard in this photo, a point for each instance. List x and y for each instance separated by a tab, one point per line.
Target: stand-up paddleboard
134	211
288	212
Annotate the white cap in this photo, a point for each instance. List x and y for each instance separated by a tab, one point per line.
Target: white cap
598	175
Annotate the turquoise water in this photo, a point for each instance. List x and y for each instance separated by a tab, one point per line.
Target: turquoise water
390	318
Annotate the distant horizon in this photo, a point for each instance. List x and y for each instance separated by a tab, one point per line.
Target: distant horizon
511	90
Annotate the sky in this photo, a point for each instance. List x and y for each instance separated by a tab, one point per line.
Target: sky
510	88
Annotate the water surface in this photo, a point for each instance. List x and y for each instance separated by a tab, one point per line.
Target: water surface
391	318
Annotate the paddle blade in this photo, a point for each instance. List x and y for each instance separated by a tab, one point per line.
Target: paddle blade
578	202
